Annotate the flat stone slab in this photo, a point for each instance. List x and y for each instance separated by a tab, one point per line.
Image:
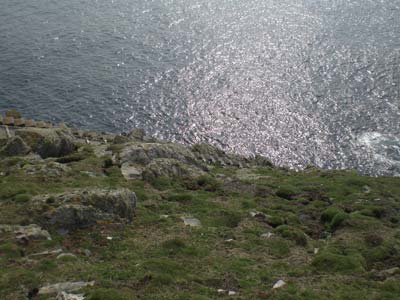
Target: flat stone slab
192	222
64	287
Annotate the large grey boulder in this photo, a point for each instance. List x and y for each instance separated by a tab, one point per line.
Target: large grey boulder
15	147
48	142
83	208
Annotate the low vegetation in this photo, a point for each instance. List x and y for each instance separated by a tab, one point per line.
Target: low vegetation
327	234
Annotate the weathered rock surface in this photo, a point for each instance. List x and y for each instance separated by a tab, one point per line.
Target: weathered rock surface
64	287
154	159
67	296
83	208
27	233
47	142
171	168
15	147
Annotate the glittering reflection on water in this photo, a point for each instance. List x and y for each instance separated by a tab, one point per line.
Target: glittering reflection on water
300	81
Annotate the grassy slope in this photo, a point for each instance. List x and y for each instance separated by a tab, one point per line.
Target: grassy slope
355	228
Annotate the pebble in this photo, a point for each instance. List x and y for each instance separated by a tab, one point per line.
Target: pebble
267	235
280	283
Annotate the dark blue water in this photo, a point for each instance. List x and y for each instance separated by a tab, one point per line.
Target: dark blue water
300	81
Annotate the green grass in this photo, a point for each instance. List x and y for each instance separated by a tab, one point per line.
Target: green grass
159	258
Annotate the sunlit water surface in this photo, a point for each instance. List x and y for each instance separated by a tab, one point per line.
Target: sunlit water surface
299	81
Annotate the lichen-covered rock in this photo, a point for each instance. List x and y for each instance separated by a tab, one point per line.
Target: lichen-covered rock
83	208
47	142
51	169
171	168
15	147
27	233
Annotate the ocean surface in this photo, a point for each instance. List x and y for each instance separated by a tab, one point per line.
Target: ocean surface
299	81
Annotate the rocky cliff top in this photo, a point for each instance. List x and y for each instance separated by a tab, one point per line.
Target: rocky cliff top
87	215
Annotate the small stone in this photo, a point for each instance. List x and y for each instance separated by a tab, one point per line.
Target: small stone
87	252
267	235
229	240
192	222
316	250
221	291
109	238
280	283
66	256
66	296
231	293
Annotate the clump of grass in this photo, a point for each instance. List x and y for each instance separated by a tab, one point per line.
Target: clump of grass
182	197
287	192
329	213
275	221
338	220
22	198
292	233
207	183
373	239
108	294
329	262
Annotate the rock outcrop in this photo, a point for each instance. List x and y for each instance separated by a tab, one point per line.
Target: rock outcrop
15	147
83	208
47	142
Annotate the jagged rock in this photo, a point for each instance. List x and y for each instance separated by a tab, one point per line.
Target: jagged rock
26	233
171	168
84	208
66	296
47	142
64	287
15	147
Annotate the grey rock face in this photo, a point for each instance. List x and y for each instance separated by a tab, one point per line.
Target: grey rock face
47	142
15	147
83	208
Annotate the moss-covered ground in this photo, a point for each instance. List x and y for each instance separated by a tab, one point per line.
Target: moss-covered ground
327	234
